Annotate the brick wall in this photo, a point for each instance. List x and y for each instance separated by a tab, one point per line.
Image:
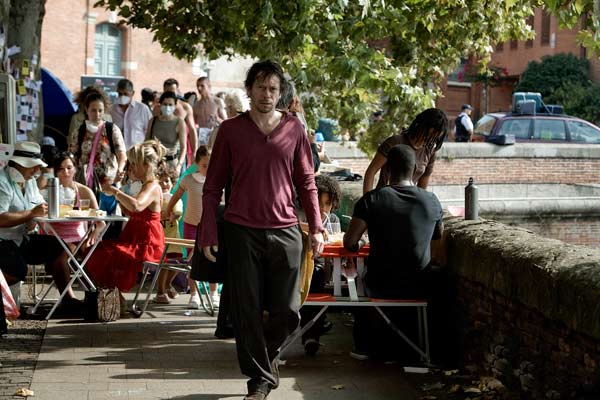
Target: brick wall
68	40
521	163
516	60
502	170
582	231
516	170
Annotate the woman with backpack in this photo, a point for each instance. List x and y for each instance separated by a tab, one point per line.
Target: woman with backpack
100	145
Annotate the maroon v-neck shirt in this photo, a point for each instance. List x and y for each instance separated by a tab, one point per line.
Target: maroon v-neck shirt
264	170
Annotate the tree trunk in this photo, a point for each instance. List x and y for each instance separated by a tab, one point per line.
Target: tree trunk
24	29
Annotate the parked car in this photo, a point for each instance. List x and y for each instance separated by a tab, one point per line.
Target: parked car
548	128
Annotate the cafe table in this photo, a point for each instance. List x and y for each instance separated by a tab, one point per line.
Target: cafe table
76	266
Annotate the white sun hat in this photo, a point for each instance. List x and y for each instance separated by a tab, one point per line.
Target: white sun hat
28	155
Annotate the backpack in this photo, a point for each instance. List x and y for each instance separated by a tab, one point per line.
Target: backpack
109	135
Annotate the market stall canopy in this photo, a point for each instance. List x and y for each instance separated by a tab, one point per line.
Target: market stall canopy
58	107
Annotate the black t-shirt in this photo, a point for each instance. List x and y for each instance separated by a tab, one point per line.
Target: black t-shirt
400	221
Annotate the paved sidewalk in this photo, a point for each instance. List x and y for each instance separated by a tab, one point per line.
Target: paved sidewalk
169	355
18	355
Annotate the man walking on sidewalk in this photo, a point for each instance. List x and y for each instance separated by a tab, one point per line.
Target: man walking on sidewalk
132	117
209	110
265	154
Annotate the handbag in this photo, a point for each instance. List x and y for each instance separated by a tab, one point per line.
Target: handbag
87	175
80	177
103	305
204	270
11	311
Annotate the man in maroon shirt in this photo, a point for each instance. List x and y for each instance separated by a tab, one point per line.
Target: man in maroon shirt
265	154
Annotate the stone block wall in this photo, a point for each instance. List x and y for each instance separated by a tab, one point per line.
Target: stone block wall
529	306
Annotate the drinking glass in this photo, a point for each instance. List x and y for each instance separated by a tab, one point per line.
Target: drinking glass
68	202
333	228
84	204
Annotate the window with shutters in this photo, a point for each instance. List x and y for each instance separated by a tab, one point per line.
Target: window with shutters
107	50
545	34
530	21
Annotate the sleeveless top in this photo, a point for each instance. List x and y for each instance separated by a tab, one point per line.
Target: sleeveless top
71	232
166	133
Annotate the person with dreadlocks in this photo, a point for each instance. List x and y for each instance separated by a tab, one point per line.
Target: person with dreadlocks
425	135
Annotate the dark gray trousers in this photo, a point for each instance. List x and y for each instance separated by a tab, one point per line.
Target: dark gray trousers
264	275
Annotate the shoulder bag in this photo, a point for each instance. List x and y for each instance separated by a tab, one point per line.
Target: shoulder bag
103	305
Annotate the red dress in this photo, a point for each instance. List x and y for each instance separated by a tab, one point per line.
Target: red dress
117	262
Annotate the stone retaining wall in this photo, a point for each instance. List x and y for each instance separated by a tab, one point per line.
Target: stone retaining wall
529	305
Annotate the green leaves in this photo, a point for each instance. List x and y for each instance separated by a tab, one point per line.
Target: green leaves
553	72
349	58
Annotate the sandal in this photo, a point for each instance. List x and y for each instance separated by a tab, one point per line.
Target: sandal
172	293
161	298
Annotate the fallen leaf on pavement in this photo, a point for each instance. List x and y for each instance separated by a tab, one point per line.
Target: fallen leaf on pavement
24	392
472	390
337	387
455	389
451	372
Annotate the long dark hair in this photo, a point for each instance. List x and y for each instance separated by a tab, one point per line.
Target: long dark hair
429	127
58	160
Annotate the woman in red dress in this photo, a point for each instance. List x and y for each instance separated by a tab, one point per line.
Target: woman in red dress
117	262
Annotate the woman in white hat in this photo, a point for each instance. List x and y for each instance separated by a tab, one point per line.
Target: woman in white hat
20	203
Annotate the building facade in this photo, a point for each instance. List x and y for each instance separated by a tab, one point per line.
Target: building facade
81	43
513	57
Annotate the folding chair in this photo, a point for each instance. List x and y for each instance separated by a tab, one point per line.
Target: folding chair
32	282
166	264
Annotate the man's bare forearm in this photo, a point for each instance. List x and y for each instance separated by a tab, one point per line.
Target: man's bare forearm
10	219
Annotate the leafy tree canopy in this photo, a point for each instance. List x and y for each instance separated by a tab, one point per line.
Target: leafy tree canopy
553	72
579	100
356	57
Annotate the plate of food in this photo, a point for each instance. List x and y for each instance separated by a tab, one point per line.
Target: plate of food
90	213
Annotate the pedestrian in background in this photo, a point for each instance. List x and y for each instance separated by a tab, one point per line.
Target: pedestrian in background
463	124
170	131
130	116
149	97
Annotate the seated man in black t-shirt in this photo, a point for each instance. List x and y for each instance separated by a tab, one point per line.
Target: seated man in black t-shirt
401	220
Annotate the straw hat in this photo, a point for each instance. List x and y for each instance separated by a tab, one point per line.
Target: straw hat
28	155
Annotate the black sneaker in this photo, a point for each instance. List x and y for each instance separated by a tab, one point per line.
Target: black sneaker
311	347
